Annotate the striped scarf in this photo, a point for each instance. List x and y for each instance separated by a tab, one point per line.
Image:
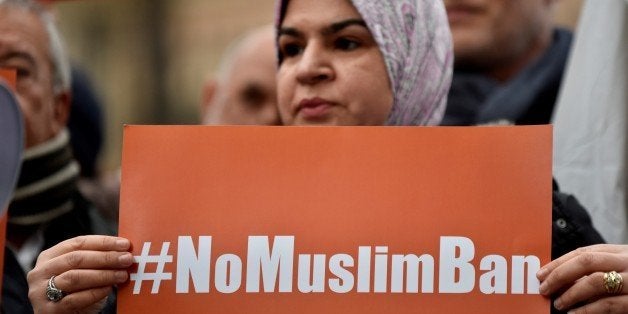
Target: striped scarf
46	184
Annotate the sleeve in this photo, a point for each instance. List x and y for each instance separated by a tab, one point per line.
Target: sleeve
571	225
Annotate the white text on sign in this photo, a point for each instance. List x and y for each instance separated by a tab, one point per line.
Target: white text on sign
270	268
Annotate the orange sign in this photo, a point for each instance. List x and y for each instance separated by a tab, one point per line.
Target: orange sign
10	76
336	219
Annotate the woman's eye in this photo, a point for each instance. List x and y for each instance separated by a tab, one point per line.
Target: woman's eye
23	73
291	50
346	44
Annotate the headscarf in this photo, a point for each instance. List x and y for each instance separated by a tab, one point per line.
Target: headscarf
415	40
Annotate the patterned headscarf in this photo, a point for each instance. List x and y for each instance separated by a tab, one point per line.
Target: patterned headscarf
414	38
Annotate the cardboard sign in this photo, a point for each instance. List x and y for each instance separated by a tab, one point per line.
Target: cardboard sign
335	219
8	75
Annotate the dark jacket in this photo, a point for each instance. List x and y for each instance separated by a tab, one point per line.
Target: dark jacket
571	227
14	285
527	98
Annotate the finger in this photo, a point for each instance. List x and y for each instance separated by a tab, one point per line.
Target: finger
578	267
82	300
84	279
600	248
609	305
77	302
588	288
85	243
83	260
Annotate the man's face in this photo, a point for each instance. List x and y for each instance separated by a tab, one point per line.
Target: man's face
24	47
248	93
489	32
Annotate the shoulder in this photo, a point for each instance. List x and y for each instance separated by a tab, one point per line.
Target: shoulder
571	225
14	287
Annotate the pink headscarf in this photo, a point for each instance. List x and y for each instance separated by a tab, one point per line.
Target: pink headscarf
414	38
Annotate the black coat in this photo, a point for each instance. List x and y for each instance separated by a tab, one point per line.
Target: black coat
571	227
14	285
527	98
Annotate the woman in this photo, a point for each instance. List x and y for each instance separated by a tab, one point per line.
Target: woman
395	52
363	63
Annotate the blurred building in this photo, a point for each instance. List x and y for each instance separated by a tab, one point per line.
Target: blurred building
149	58
568	12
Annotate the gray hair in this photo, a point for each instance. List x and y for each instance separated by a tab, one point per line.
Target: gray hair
234	50
62	78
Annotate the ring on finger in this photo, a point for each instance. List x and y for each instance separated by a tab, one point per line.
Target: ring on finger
53	293
613	282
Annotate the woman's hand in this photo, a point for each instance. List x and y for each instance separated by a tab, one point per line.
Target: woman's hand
577	280
85	268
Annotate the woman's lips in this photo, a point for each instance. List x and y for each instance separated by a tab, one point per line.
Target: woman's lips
313	108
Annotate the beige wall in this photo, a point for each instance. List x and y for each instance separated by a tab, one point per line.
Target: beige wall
148	58
567	12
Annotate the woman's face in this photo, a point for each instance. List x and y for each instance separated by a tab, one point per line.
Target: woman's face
333	72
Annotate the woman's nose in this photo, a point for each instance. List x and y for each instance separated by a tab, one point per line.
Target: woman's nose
315	65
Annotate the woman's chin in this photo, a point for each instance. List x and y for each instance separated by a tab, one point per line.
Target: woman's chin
321	120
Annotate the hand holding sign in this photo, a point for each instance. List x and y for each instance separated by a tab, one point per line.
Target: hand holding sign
85	270
579	276
353	220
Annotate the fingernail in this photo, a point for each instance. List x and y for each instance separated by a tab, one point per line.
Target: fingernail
541	273
121	276
558	304
126	259
571	312
543	288
123	244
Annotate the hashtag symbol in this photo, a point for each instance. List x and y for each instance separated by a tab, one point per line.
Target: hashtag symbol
158	275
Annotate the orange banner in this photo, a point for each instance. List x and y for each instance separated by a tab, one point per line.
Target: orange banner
336	219
10	76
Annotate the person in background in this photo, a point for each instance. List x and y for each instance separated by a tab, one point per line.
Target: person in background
509	61
244	89
591	119
46	207
85	124
86	127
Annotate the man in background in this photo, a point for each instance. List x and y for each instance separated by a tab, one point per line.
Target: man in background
509	61
244	89
46	207
87	134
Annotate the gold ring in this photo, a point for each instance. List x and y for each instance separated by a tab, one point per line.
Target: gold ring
613	282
